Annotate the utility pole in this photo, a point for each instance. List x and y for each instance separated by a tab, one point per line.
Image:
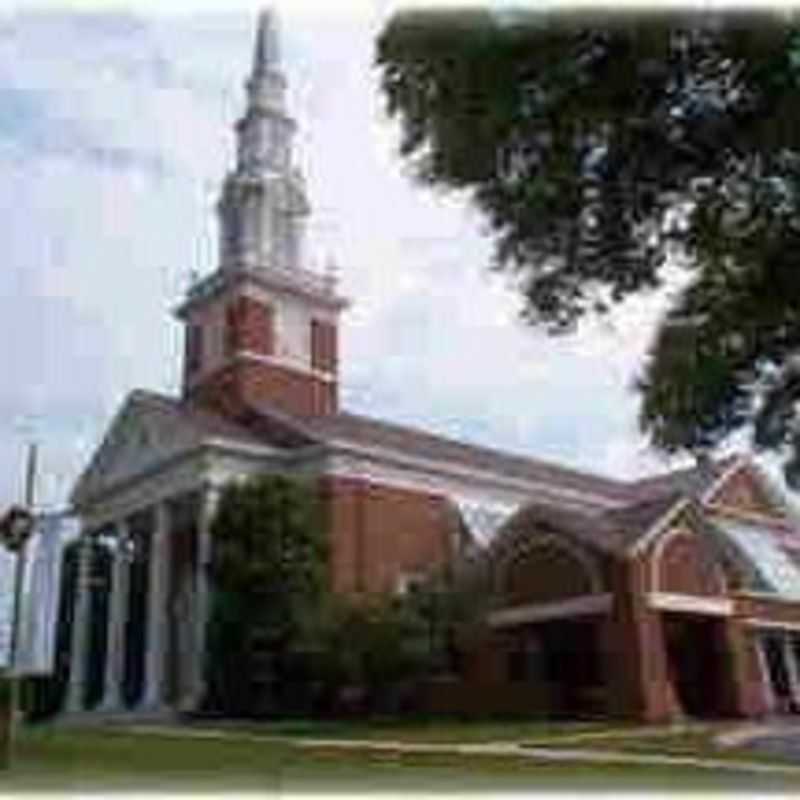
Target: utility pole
19	576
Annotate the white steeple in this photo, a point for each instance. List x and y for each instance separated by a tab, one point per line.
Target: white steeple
263	206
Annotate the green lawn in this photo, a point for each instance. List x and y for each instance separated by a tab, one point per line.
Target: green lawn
85	760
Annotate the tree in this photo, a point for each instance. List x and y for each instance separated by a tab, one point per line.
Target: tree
270	590
601	150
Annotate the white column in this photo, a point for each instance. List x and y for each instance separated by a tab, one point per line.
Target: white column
118	607
791	668
766	677
200	606
80	629
153	698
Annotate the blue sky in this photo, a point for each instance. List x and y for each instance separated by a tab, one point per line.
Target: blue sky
115	133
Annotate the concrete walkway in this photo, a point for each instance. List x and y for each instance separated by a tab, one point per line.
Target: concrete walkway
508	749
749	733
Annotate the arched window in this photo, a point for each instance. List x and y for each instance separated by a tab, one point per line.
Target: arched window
548	568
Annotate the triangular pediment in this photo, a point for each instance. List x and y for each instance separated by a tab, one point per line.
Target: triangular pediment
143	434
745	488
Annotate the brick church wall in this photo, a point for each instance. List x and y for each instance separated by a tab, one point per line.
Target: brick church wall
231	388
686	566
380	533
543	573
637	659
250	326
742	492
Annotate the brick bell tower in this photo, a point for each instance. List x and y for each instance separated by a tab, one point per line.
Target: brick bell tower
261	329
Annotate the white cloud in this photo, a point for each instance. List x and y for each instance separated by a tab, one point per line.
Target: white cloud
105	223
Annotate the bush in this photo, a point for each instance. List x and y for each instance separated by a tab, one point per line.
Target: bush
269	582
281	643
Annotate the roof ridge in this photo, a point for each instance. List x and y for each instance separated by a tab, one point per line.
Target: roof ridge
611	482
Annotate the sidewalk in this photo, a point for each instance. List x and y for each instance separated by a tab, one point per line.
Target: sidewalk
747	733
508	749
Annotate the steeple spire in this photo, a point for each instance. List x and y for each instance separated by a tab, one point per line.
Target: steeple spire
267	54
262	329
263	207
266	85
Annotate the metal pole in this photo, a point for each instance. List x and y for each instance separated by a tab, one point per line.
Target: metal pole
19	576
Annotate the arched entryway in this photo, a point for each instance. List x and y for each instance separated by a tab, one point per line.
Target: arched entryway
553	607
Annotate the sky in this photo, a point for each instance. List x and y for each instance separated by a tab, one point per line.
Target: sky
115	135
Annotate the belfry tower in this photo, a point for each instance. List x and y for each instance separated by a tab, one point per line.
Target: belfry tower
261	329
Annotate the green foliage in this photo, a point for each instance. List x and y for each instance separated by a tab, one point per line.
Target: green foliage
600	149
269	583
281	642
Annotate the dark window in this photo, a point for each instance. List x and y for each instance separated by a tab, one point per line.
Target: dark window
231	330
194	347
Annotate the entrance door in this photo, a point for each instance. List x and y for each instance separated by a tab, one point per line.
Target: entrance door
572	667
777	669
695	659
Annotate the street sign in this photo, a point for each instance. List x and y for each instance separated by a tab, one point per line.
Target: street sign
40	595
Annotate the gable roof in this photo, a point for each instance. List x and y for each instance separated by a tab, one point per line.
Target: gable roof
149	428
588	528
692	481
632	522
371	433
636	505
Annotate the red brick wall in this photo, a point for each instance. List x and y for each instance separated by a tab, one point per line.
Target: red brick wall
748	698
229	389
379	532
743	491
767	608
250	325
687	566
638	671
324	345
543	573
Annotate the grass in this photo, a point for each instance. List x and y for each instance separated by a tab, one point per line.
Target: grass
94	759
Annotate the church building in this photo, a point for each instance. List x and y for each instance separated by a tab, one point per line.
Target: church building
670	596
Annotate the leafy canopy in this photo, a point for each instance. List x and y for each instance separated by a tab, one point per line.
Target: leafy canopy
602	149
269	578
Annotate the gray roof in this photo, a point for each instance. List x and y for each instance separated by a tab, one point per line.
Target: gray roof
638	503
369	432
692	481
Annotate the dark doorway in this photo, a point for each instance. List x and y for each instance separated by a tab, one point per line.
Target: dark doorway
180	592
778	669
696	663
564	656
133	675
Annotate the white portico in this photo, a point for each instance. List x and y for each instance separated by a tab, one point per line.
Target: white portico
146	503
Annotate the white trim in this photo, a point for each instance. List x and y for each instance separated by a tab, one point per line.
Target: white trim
573	607
769	597
292	365
451	470
689	603
771	624
301	283
766	676
740	462
780	527
792	666
663	522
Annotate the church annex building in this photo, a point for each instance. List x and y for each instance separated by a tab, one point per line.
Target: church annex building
670	596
